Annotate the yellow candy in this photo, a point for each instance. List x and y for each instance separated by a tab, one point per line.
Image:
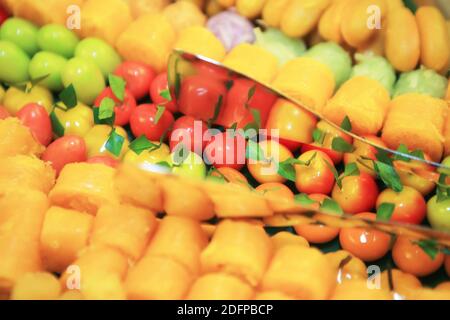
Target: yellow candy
184	14
141	7
250	8
148	39
27	172
105	19
36	286
22	213
97	137
44	12
200	40
84	187
17	139
64	234
252	61
364	101
307	80
273	12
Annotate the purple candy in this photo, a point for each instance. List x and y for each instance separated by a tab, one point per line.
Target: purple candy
231	29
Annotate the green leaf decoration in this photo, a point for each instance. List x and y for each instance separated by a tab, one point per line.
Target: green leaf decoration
141	144
229	84
304	199
429	246
346	124
332	207
443	189
287	171
253	151
106	109
385	211
335	174
389	176
351	169
402	149
340	145
383	156
58	128
97	120
217	109
251	93
159	112
114	143
319	136
166	95
117	85
69	97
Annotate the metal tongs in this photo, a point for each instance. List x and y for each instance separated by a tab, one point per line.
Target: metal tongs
183	64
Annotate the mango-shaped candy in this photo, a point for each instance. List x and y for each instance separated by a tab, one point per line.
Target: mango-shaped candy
239	248
220	286
71	295
226	3
402	41
242	59
123	227
362	20
434	38
364	101
184	14
17	139
148	39
98	274
47	11
315	281
359	290
200	40
84	187
141	7
96	14
273	12
185	199
179	239
250	8
403	284
416	121
300	17
36	286
330	21
158	278
138	188
64	234
28	172
22	213
309	81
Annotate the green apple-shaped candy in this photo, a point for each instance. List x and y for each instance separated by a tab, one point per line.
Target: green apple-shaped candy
100	52
438	214
13	63
335	57
191	166
424	81
86	78
57	39
376	68
21	32
48	63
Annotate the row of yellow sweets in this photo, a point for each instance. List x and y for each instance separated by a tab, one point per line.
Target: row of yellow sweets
124	252
402	37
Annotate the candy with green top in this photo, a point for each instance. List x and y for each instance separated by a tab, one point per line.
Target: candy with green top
335	57
86	78
13	63
376	68
47	63
99	52
191	165
57	39
425	81
279	44
21	32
